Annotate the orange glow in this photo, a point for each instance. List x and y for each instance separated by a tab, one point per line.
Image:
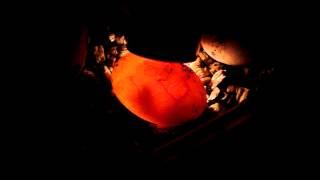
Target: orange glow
163	93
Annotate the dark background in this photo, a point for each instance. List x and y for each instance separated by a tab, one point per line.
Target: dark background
64	135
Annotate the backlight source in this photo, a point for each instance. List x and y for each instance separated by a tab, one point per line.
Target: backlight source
163	93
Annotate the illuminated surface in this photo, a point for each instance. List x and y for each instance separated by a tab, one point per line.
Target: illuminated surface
163	93
227	51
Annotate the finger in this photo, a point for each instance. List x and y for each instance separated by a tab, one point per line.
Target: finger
217	74
219	79
215	82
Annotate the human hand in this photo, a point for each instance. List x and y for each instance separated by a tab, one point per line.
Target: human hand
217	78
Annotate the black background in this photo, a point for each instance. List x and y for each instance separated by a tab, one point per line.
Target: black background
56	132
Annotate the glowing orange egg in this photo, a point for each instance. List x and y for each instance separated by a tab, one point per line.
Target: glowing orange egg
163	93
